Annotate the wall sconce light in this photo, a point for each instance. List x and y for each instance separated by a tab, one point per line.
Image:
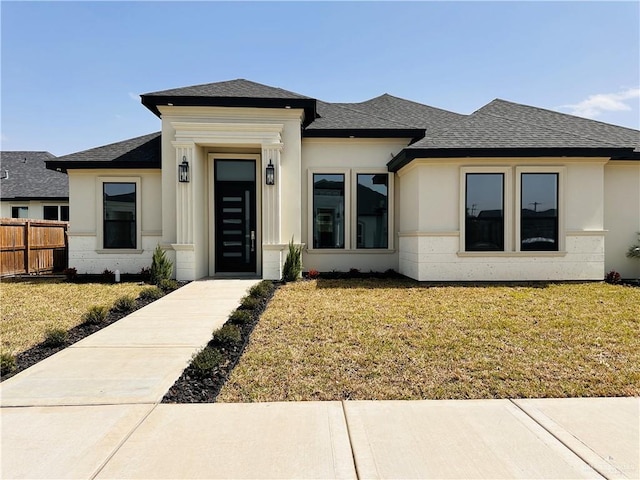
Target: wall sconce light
270	174
183	171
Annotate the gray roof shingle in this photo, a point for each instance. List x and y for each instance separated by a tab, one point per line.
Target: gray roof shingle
139	152
29	177
239	88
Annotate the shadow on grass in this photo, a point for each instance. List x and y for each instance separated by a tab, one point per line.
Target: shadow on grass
405	282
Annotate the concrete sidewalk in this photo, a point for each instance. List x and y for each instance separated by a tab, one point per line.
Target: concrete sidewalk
93	411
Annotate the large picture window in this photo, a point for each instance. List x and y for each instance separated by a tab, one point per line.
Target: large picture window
484	212
328	210
372	207
539	212
119	215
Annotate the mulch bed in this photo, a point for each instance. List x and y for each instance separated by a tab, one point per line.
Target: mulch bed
191	387
41	351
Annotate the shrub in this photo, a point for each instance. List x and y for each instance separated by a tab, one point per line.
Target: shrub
354	272
145	274
125	303
229	334
71	273
313	273
151	293
261	290
55	337
96	315
249	303
7	363
240	317
167	285
108	276
161	267
613	277
205	362
293	263
634	251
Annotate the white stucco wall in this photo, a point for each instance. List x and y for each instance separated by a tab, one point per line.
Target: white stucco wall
349	156
430	246
36	207
622	216
86	252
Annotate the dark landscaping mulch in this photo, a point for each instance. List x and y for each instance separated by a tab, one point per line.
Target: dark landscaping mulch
192	387
41	351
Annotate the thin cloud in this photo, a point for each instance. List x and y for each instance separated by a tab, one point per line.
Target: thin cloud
596	104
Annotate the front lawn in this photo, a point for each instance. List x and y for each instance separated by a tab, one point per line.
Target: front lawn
31	308
396	339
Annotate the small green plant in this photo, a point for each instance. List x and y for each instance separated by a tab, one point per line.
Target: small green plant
613	278
229	334
293	263
55	337
71	273
151	293
108	276
96	315
262	289
240	317
167	285
7	363
205	362
634	251
161	266
124	304
249	303
145	274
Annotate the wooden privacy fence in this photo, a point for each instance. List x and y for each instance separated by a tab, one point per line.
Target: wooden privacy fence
32	246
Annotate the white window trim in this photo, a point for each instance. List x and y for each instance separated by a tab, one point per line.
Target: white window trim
354	206
507	204
561	206
18	205
100	181
347	206
350	209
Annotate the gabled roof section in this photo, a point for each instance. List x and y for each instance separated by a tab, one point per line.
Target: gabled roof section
29	179
231	93
139	152
340	120
502	129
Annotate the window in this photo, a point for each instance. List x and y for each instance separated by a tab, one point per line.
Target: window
372	210
56	212
539	212
119	215
328	210
20	212
484	212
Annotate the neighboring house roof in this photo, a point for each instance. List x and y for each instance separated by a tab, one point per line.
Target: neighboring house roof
500	128
139	152
29	179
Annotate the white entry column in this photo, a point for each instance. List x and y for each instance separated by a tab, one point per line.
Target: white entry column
272	248
184	247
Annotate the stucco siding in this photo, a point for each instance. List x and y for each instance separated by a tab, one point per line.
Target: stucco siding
622	216
36	207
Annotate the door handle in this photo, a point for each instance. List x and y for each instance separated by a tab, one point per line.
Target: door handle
253	240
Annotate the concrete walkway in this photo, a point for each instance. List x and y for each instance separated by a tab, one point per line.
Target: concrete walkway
93	411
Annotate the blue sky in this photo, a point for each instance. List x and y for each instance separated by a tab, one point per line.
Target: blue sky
72	71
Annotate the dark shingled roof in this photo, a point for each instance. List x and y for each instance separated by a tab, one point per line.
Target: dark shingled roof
139	152
231	93
503	128
29	179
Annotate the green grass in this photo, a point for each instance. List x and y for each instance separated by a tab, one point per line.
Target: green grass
30	309
394	339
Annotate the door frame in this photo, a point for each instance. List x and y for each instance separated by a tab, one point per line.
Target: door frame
211	158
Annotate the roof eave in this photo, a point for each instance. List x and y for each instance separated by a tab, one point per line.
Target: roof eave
412	133
62	166
40	198
408	154
306	104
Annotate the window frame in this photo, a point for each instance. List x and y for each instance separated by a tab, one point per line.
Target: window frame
19	206
507	206
560	171
59	208
100	181
351	206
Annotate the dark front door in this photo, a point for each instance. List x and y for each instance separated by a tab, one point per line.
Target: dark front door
235	216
